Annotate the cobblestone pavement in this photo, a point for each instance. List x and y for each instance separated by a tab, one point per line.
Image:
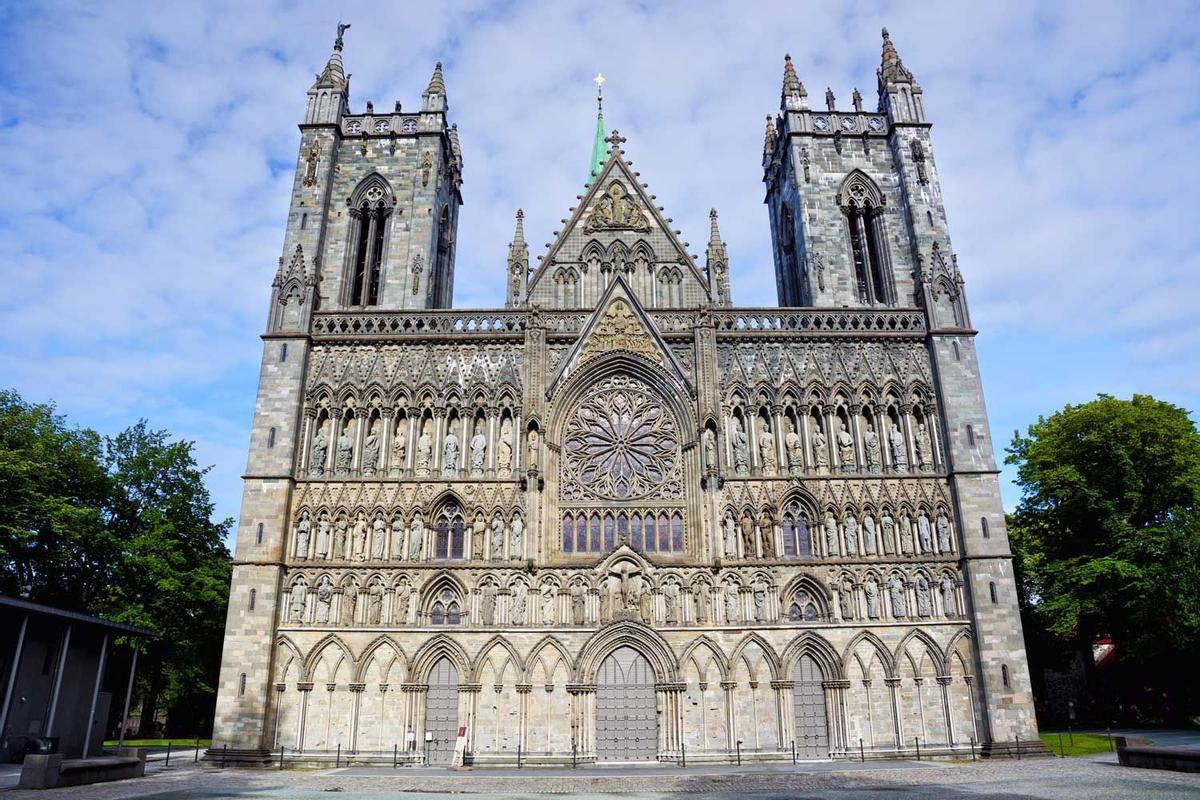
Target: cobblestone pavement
1044	779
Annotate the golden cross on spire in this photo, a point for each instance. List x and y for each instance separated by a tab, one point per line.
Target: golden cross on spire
599	80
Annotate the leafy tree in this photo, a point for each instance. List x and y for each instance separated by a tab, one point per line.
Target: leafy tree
1107	536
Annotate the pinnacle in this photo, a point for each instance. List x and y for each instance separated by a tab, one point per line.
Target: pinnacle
793	88
334	74
892	68
519	233
437	82
769	137
714	237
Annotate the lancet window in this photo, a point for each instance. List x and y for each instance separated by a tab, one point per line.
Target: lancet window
370	215
862	203
449	537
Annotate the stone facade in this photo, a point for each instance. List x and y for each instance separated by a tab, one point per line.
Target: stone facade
621	518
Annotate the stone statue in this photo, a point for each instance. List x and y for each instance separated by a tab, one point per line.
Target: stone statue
871	593
896	591
400	611
497	538
923	609
741	449
324	599
399	449
478	451
924	534
518	605
887	532
671	604
450	455
760	601
340	534
766	447
349	605
748	548
949	603
766	536
868	535
831	535
795	450
906	535
303	535
710	450
730	536
360	537
548	615
924	448
424	451
478	528
378	538
504	449
374	604
323	536
533	448
872	449
345	453
646	605
703	598
299	601
610	598
320	450
578	605
370	458
416	537
943	531
899	451
845	444
846	596
851	531
397	538
516	540
487	604
731	603
820	449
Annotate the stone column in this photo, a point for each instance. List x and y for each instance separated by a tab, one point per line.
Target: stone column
784	712
387	421
856	434
906	424
730	715
882	430
493	439
336	419
360	434
304	687
467	419
310	430
802	420
413	431
835	460
356	690
752	458
893	685
523	691
781	454
943	686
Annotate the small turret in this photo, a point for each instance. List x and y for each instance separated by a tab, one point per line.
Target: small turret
717	262
518	262
434	96
770	137
899	92
794	96
329	96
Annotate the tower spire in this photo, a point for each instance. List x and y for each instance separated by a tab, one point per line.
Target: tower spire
717	261
434	96
892	69
329	96
518	262
334	74
599	147
899	92
794	95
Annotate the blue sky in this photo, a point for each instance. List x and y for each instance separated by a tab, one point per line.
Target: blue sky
147	149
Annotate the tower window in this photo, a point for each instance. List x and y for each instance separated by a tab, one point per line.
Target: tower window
370	213
862	203
970	436
992	592
271	438
283	352
253	597
1004	676
242	685
259	536
983	524
957	354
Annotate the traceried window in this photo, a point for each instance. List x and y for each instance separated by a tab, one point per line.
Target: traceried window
446	609
803	608
370	213
862	203
796	540
449	538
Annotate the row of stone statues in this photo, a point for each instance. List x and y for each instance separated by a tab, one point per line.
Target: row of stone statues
897	592
793	447
363	541
748	537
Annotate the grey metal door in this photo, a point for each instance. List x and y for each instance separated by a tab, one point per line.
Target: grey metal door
441	712
626	717
808	700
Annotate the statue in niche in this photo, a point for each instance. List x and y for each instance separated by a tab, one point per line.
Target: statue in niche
518	605
646	605
795	450
851	531
923	609
399	449
896	591
943	531
831	534
324	599
924	448
760	600
450	455
478	529
416	537
820	449
298	603
504	450
320	450
370	461
345	452
868	535
340	534
578	605
924	533
487	604
731	603
400	609
887	529
374	604
360	537
741	449
766	447
906	535
846	595
516	538
703	598
397	538
949	604
424	451
303	535
609	599
478	450
548	615
349	605
872	449
730	543
311	161
497	538
871	593
748	548
899	450
378	537
533	449
671	604
710	450
323	536
845	444
616	210
766	536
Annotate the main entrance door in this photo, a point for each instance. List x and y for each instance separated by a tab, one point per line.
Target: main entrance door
808	700
441	712
626	718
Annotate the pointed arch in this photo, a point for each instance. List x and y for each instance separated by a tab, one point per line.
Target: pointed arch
536	654
435	648
931	647
485	652
642	638
819	649
283	642
772	658
858	190
717	655
372	650
885	656
330	640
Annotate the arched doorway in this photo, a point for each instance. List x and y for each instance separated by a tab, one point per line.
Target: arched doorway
626	716
441	712
808	701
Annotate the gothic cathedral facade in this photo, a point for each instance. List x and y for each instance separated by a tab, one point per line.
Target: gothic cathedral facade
621	519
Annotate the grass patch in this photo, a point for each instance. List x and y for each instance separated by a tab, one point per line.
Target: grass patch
160	743
1076	744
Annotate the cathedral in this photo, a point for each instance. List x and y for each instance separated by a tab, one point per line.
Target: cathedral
621	519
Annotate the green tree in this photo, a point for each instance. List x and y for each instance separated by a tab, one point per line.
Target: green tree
1107	535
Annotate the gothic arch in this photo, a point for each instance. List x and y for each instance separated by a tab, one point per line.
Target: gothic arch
434	649
706	643
931	646
485	652
372	649
285	643
331	640
819	649
538	652
374	190
640	637
858	191
885	657
769	654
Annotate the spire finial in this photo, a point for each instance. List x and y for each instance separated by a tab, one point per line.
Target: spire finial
892	68
714	235
599	151
600	80
342	28
794	93
519	233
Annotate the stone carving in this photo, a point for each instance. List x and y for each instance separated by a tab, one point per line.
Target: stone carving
418	266
899	450
730	544
820	449
949	603
923	608
710	450
671	604
731	603
943	532
323	536
399	450
868	535
398	551
645	602
360	537
312	159
924	448
487	604
548	615
851	535
924	534
424	451
845	443
760	601
703	598
478	451
349	606
320	450
341	534
303	535
896	592
619	329
749	550
795	450
416	537
375	603
906	535
578	605
831	535
609	599
887	529
741	449
378	538
766	447
616	210
516	538
324	599
497	538
846	595
345	452
400	611
450	455
533	449
370	458
504	449
298	603
518	605
872	449
871	593
766	537
478	528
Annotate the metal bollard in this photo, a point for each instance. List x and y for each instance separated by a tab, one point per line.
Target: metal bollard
395	754
168	762
224	753
1018	738
1108	732
281	756
1070	736
862	754
574	762
793	752
739	752
917	741
196	760
338	763
518	755
972	748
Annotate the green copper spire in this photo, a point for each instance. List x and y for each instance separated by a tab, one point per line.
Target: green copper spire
599	146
